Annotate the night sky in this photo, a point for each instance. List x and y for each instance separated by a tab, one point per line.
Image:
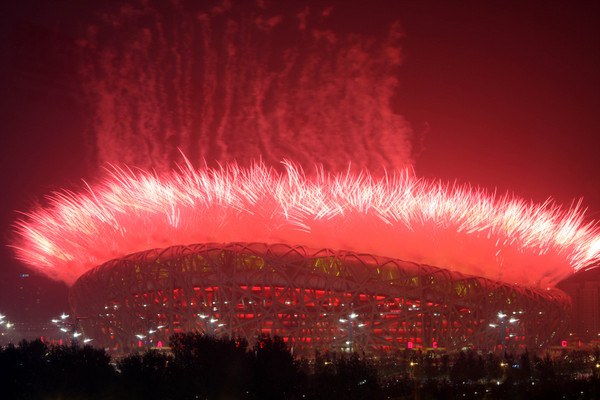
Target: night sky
501	95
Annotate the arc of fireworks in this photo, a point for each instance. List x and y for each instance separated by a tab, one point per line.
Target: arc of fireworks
458	227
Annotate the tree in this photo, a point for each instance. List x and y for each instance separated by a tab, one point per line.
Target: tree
209	367
23	370
146	376
524	372
346	378
275	372
80	372
34	370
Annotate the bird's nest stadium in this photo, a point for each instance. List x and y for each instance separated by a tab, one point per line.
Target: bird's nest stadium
315	299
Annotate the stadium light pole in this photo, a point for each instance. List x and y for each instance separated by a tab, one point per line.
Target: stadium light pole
7	325
350	329
210	324
66	326
503	322
61	323
151	333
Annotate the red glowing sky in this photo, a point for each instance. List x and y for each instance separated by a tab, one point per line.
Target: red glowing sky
499	94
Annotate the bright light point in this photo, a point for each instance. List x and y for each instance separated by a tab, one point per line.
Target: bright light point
160	327
343	321
8	325
353	315
493	325
76	334
87	340
140	336
151	331
201	316
500	315
55	321
513	320
64	329
213	320
64	316
2	316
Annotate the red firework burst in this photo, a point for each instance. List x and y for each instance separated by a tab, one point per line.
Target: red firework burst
455	227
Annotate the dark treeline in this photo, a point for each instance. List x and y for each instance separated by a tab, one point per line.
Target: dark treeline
470	375
205	367
198	367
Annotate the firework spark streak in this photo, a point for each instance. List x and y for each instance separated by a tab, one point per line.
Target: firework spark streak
456	227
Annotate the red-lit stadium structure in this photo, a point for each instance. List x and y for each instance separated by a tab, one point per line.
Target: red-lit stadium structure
314	299
295	280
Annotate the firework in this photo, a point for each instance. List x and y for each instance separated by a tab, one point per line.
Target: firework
455	227
287	83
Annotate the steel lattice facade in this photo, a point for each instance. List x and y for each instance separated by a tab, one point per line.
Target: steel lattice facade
314	299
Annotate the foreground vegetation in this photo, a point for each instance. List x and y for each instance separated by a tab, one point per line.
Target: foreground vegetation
204	367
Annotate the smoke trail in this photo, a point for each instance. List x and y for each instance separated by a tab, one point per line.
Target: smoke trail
238	83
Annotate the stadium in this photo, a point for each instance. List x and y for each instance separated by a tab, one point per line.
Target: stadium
330	262
314	299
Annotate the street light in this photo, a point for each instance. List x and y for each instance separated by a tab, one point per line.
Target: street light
148	337
502	325
350	329
66	326
7	324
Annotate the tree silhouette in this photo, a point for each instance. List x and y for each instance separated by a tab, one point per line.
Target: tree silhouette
209	367
34	370
344	378
146	376
275	373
